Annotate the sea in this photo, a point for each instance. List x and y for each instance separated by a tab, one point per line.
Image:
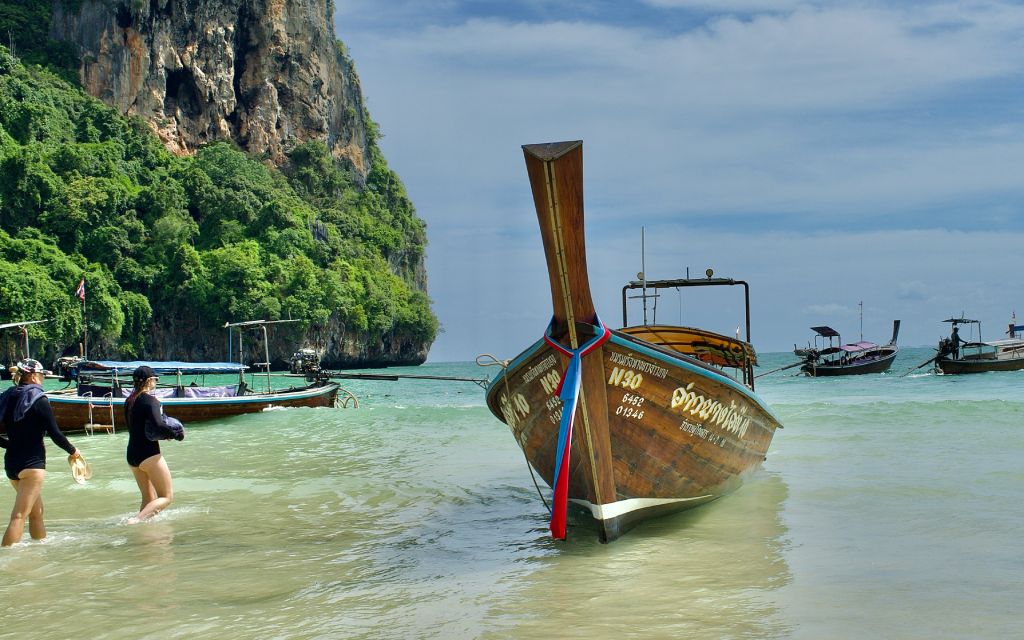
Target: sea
890	506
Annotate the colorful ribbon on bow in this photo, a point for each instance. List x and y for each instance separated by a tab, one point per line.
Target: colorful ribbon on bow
569	394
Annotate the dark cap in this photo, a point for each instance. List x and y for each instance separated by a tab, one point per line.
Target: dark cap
143	373
28	365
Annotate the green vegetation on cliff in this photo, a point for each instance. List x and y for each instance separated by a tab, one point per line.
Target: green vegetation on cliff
25	27
189	241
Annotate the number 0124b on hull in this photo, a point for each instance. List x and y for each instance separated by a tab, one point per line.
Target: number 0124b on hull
680	433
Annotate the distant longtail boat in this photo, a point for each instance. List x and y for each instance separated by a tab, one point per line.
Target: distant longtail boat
626	424
855	358
956	355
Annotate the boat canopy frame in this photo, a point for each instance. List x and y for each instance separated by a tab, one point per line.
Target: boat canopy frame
23	328
254	324
677	283
953	322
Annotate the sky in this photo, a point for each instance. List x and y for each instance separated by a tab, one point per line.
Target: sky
838	156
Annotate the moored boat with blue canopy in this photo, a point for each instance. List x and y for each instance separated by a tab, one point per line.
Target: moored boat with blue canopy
96	395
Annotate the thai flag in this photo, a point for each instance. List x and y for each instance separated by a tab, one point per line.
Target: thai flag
80	292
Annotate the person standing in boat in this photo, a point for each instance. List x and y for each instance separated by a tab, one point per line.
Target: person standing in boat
955	342
26	415
147	425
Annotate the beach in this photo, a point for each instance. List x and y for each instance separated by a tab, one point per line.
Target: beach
888	506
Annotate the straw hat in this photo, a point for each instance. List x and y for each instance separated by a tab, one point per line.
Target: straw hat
80	469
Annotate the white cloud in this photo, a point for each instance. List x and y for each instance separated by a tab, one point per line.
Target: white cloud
914	290
774	113
728	6
817	117
832	310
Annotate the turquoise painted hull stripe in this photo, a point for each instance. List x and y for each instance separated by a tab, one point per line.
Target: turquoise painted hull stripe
182	402
652	353
697	369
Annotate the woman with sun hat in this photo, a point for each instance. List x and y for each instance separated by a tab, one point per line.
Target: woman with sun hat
26	415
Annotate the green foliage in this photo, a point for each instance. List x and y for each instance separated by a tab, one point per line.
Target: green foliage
218	236
25	25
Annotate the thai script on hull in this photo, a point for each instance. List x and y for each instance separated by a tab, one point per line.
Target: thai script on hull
539	368
731	418
638	365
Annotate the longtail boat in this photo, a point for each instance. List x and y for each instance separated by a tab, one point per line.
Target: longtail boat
957	355
837	359
96	399
632	423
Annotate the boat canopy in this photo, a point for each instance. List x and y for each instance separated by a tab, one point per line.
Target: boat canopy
161	367
825	332
857	347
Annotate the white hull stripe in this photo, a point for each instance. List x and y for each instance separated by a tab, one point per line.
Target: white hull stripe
615	509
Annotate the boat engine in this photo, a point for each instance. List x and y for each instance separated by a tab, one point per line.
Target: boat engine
65	365
305	361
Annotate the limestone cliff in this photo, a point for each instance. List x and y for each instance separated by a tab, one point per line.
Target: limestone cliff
264	73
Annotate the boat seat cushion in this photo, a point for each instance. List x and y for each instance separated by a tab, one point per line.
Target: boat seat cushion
101	391
226	391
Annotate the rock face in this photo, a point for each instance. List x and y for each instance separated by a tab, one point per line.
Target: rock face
339	349
267	74
264	73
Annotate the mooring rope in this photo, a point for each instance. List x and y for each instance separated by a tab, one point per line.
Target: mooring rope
504	371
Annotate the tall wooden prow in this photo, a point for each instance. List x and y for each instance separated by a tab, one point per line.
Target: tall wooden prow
556	178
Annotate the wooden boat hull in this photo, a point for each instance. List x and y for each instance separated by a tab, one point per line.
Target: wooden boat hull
873	365
72	410
679	433
982	365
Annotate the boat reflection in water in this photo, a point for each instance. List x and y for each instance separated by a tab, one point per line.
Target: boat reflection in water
715	572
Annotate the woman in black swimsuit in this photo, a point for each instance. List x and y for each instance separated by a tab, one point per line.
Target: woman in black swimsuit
26	415
144	457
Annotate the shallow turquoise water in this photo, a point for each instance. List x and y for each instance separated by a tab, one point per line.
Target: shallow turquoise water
888	507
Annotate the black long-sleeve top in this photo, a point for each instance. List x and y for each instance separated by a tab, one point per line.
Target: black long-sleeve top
24	440
142	409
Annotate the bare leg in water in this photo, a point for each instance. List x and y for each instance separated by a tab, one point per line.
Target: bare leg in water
27	505
154	480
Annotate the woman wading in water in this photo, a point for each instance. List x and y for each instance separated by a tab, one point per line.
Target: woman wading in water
147	425
25	413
